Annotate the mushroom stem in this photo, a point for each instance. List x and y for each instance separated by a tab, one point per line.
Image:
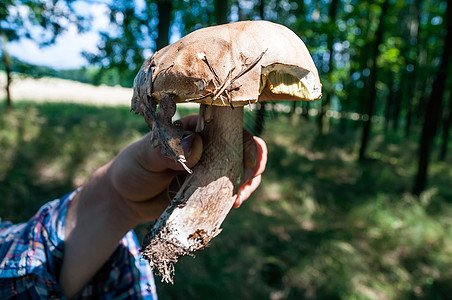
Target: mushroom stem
206	197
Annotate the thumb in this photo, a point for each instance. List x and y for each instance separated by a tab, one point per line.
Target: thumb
192	146
152	160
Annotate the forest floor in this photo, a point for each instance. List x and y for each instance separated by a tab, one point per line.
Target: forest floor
321	225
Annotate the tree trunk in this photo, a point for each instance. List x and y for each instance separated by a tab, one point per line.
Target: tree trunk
260	114
262	9
305	110
206	197
164	8
260	119
7	62
398	97
293	116
221	7
446	130
416	76
241	15
389	103
322	120
409	118
372	83
344	116
433	110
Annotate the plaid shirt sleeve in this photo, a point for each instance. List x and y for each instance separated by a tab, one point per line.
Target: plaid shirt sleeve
31	255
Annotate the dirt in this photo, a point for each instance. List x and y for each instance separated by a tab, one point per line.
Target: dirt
162	253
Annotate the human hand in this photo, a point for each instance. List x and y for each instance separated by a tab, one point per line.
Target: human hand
130	189
140	174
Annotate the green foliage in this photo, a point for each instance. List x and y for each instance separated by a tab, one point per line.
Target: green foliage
82	75
92	74
123	47
48	149
194	14
321	225
39	20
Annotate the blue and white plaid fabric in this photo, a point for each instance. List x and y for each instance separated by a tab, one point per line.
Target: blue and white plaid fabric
31	255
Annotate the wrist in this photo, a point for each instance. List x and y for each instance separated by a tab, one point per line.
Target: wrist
96	221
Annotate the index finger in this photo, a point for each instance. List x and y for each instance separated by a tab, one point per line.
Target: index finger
261	160
190	122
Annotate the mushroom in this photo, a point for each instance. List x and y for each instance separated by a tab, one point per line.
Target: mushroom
224	68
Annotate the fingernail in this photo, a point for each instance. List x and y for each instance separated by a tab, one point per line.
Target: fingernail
240	199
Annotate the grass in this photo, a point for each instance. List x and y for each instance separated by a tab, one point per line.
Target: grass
321	225
48	149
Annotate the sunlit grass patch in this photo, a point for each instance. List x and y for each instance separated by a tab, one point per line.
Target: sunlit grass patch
48	149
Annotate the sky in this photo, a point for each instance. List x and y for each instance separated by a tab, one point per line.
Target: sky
66	52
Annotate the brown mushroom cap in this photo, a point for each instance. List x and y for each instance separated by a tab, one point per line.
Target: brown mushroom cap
284	72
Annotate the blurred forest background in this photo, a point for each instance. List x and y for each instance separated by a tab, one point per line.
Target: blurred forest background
356	202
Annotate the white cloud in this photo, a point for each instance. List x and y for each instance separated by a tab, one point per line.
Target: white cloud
66	52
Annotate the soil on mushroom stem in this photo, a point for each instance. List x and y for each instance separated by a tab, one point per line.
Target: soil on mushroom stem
164	255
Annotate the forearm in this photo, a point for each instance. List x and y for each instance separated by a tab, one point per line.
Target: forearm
95	223
116	198
129	190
